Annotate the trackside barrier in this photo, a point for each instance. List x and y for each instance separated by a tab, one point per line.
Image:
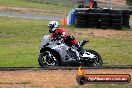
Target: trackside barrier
100	18
71	17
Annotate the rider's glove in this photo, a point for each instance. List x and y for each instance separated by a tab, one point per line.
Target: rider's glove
70	37
59	37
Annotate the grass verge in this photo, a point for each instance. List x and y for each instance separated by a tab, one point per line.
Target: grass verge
37	5
20	39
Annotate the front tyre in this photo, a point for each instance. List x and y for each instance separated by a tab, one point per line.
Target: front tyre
47	59
96	61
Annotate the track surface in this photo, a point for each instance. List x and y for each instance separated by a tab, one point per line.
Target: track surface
62	68
55	78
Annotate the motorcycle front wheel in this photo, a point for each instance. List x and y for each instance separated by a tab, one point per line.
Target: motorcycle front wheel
94	62
47	59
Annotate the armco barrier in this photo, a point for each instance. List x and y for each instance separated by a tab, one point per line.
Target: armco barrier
102	18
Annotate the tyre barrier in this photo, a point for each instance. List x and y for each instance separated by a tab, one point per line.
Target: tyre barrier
93	15
104	27
126	17
116	25
116	16
116	11
81	20
92	24
95	11
116	20
131	12
105	20
126	11
81	6
92	19
102	18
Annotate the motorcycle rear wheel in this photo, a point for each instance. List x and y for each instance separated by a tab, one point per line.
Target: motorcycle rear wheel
47	59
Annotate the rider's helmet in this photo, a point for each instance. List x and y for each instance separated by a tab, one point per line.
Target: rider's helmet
53	25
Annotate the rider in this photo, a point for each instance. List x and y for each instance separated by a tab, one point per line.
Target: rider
57	32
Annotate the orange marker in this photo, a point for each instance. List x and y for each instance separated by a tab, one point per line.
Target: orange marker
64	21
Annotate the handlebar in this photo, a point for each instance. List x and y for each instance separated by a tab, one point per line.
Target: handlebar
58	41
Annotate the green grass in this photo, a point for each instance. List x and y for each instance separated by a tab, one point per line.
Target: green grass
20	40
31	4
113	51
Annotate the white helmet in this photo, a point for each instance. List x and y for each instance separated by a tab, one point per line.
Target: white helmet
53	25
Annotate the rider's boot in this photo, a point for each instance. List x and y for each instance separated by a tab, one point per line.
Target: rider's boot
80	47
80	50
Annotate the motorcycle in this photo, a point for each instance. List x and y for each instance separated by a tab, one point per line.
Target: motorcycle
58	53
